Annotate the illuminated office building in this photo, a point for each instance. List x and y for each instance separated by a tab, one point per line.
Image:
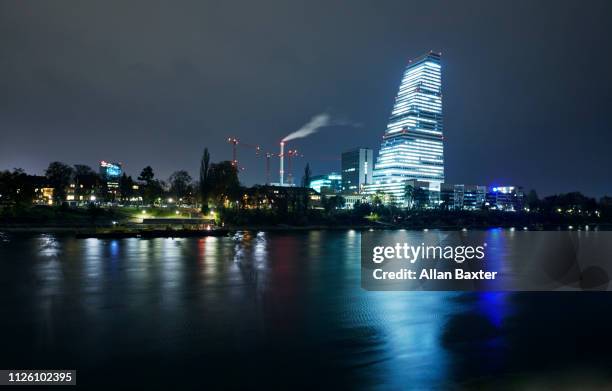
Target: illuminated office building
357	167
110	174
507	198
462	197
413	144
330	183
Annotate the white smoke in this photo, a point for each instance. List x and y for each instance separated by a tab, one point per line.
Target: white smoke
315	123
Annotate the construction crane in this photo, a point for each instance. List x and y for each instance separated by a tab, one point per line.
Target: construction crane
292	153
268	156
235	142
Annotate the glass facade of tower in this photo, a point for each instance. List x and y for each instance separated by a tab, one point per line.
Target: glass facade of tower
412	146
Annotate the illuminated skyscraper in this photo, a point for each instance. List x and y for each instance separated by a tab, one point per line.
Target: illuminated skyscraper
412	146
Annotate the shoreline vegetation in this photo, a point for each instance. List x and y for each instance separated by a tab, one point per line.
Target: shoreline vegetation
47	219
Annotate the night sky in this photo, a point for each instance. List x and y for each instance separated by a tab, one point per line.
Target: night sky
527	84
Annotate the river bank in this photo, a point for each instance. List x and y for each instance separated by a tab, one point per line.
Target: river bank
41	229
80	229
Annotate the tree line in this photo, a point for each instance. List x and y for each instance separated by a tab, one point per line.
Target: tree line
218	184
219	188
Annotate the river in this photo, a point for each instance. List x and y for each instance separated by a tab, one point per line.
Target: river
281	310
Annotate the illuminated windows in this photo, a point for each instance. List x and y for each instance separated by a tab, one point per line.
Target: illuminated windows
413	144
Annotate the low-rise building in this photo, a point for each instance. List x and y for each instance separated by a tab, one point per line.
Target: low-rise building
421	194
462	197
43	191
432	195
331	181
351	199
280	197
506	198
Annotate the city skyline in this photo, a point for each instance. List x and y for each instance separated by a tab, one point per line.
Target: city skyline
306	194
76	92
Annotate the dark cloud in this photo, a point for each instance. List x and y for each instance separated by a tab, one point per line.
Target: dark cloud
527	84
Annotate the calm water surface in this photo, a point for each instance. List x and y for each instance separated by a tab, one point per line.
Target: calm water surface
279	310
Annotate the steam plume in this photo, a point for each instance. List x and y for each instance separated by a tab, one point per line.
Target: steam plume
315	123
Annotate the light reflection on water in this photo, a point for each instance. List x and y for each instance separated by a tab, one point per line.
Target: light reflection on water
48	245
262	300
